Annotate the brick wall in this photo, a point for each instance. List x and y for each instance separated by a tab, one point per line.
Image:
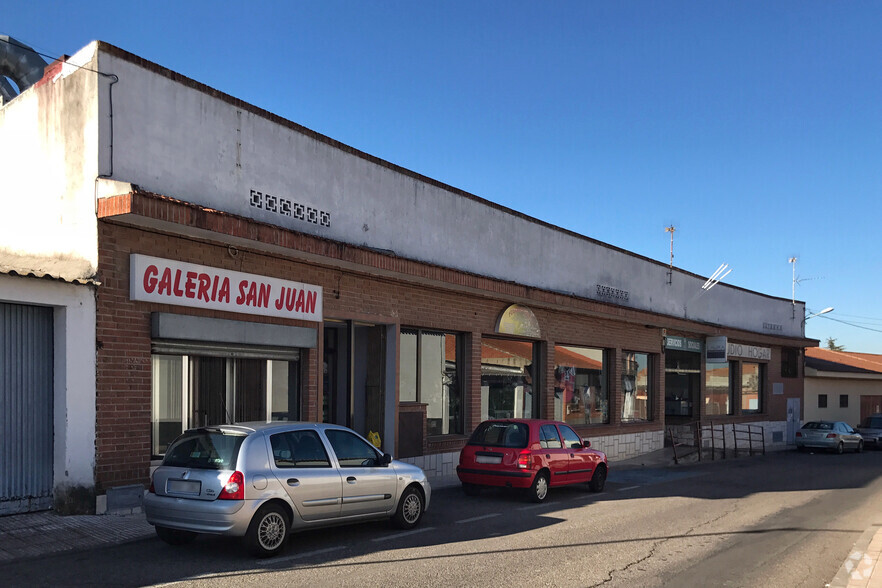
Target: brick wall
358	285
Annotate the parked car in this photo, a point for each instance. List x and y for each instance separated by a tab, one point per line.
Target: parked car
833	435
529	454
262	481
871	430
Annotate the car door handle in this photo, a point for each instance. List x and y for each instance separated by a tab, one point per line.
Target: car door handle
572	455
351	479
547	456
293	482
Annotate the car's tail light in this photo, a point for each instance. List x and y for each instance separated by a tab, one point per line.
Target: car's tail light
234	489
524	459
831	435
151	490
798	434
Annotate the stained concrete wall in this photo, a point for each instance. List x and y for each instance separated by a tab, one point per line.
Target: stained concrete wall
49	163
188	142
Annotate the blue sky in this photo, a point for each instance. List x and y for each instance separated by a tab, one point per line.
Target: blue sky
753	127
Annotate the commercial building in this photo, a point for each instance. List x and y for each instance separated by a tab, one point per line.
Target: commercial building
223	264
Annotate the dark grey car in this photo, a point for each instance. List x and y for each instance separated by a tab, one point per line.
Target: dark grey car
260	481
871	430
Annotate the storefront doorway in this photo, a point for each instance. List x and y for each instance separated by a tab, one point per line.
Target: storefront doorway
682	378
354	370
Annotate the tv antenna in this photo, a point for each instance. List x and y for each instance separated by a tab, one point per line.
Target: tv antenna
671	230
797	280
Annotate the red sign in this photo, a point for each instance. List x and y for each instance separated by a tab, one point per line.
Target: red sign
154	279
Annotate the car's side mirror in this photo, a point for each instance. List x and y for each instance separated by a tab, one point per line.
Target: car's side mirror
586	443
384	460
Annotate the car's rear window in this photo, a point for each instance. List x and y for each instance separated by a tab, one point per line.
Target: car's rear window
822	426
206	450
501	434
873	423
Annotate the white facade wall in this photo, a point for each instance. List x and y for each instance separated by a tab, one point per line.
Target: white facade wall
184	142
74	367
833	385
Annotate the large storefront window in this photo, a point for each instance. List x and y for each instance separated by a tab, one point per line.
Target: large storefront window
751	387
581	392
428	374
196	391
636	387
507	379
718	388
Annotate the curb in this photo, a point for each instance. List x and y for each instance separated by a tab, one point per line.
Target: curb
858	568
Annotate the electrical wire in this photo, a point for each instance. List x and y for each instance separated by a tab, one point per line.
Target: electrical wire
857	326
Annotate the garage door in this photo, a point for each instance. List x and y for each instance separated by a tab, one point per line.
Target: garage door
26	398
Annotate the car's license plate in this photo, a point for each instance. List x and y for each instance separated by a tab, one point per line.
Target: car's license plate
184	487
488	459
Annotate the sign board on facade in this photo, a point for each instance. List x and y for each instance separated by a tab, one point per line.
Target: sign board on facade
715	349
153	279
749	351
683	344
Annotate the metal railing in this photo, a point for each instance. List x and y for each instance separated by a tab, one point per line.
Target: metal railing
713	436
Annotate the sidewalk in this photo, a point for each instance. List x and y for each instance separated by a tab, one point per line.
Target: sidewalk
32	535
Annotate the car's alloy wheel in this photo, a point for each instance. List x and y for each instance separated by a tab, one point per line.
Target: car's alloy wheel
410	509
860	446
268	531
539	489
840	448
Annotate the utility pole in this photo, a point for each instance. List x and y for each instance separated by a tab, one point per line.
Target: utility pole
792	262
671	230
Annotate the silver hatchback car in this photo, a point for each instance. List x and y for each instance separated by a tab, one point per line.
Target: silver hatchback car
262	481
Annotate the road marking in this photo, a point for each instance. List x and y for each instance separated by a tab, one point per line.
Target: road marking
480	518
404	534
306	554
628	488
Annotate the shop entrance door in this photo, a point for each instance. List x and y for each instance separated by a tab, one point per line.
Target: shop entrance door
355	376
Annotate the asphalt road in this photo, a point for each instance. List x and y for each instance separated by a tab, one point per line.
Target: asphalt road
784	519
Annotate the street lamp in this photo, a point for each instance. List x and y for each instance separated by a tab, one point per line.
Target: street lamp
825	311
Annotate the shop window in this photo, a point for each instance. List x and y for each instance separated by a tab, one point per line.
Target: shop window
581	390
195	391
507	383
843	401
789	362
636	387
718	388
822	401
428	373
168	387
752	387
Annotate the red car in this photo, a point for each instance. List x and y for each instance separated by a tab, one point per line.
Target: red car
531	454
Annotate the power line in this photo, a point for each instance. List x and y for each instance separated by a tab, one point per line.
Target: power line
857	326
